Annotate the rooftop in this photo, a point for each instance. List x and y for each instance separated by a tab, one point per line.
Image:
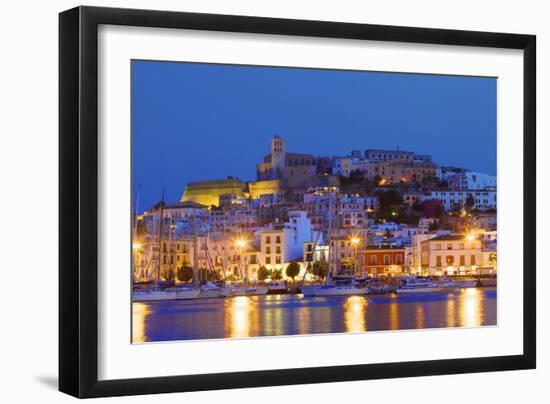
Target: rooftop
448	237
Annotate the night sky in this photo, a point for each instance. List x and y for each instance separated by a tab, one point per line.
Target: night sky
201	121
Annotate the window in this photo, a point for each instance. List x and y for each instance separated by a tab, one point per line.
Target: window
278	240
450	260
438	261
398	259
462	260
461	246
268	250
449	246
268	260
278	250
268	240
472	259
372	259
438	246
277	260
386	260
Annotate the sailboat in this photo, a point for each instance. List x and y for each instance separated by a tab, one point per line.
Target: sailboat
331	288
156	293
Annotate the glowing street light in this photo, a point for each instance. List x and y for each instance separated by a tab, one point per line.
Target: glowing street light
240	243
136	246
355	240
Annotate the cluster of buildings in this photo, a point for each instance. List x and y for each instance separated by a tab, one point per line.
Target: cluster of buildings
298	210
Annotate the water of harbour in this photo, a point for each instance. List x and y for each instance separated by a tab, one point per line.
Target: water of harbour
275	315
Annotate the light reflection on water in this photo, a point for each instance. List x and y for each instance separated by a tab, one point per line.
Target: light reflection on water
354	314
244	316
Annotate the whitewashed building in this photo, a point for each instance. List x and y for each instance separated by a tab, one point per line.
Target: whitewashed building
483	199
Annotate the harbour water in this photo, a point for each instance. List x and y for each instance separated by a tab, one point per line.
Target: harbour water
276	315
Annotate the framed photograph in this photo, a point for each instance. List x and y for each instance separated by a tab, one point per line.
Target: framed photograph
250	201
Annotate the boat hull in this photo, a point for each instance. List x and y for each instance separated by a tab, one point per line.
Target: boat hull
187	294
427	289
153	295
210	294
336	291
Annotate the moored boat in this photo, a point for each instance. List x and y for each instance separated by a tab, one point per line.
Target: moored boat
458	283
275	288
337	290
210	291
187	293
153	295
418	285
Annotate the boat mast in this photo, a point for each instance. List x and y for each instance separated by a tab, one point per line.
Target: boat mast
134	238
328	278
195	251
160	237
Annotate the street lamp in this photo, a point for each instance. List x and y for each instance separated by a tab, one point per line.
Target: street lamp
240	243
355	242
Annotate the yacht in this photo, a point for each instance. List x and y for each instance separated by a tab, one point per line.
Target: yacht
336	290
458	283
210	291
150	295
418	285
274	288
243	290
184	293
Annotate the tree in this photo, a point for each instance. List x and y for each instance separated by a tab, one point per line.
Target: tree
263	273
276	275
469	204
432	208
389	202
184	274
320	269
292	270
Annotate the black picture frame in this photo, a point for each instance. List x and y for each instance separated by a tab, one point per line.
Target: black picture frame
78	196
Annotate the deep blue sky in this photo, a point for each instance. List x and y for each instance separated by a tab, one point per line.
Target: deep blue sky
202	121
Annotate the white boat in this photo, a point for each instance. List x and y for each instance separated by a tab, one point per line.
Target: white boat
153	295
242	290
309	290
277	287
415	285
453	284
256	290
210	291
187	293
336	290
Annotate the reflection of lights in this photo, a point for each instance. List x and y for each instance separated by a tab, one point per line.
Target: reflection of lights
471	309
239	316
420	316
140	312
354	314
136	246
451	312
470	237
394	315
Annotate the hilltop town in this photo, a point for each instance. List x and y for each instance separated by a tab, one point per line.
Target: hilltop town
377	213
